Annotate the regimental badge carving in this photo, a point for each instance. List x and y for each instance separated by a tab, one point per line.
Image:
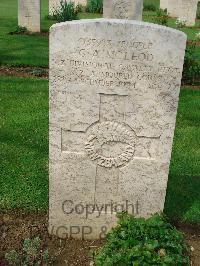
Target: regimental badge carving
121	9
110	144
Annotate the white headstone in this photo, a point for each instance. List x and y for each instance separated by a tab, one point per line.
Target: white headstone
55	4
163	4
173	7
188	11
114	90
123	9
29	14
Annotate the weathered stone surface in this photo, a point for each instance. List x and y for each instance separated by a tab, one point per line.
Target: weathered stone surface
123	9
173	7
188	12
55	4
29	14
114	89
163	4
185	10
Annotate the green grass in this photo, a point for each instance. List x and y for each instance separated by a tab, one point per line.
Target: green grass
21	49
183	197
156	3
24	150
24	143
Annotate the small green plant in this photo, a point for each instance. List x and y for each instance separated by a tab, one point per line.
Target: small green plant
66	12
46	256
19	30
50	17
180	23
162	17
94	6
12	257
29	255
136	241
80	8
191	67
38	72
149	7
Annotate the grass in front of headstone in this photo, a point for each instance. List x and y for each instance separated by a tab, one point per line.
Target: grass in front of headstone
24	143
24	150
183	197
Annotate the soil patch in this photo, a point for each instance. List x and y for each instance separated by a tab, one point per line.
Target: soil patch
40	72
196	43
190	87
44	34
15	226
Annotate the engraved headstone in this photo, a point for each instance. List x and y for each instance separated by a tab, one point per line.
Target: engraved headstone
29	14
114	90
123	9
163	4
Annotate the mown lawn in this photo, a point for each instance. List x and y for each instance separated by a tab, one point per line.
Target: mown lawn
23	50
24	150
24	143
183	194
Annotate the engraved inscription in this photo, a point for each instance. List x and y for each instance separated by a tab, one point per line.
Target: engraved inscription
110	144
113	64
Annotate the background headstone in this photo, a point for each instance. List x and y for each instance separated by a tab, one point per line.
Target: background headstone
188	11
174	7
55	4
29	14
114	90
163	4
123	9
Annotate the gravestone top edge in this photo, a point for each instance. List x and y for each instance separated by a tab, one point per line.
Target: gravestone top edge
116	21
